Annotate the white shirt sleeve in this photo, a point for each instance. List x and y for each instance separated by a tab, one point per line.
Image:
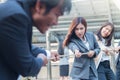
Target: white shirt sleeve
48	54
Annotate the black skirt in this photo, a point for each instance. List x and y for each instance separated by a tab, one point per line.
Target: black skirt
64	70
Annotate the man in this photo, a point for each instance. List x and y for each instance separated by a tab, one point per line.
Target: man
17	55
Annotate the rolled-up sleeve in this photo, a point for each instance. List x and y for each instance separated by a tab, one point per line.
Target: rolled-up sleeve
73	47
38	50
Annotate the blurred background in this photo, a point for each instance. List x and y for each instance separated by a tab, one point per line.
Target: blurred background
96	12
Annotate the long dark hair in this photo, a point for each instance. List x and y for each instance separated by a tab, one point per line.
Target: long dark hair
108	38
71	32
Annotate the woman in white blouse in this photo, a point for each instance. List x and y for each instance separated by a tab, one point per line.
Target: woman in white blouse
104	37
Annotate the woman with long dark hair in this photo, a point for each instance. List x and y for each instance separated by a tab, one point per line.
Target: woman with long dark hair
85	48
104	38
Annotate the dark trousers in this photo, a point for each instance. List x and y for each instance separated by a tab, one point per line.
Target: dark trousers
64	70
118	71
105	72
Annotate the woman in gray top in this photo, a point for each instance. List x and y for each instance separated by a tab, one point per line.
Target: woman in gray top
85	48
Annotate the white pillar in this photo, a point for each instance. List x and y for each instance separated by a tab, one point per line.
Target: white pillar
49	73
